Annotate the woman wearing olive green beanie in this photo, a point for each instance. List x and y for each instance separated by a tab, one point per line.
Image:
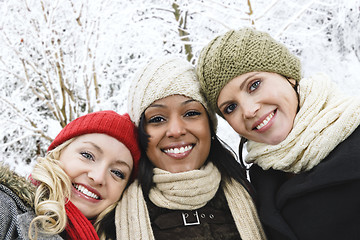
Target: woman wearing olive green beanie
302	135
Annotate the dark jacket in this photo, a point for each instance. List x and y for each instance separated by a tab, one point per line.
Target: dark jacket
16	206
323	203
213	221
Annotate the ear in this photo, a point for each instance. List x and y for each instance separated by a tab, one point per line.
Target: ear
292	82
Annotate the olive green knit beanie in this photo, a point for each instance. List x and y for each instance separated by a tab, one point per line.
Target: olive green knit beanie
237	52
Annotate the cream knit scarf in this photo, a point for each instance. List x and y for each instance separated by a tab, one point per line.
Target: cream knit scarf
184	191
326	118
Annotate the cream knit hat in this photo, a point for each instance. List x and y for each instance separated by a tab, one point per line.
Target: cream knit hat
160	78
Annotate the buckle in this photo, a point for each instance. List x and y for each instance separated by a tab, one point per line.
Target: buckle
185	215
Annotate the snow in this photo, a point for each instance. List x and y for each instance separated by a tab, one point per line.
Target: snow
63	59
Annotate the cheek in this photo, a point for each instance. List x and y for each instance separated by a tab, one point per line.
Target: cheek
71	171
153	142
152	149
65	165
117	190
292	102
73	167
231	119
156	136
204	134
289	96
235	122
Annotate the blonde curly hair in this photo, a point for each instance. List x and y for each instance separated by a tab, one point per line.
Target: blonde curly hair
53	190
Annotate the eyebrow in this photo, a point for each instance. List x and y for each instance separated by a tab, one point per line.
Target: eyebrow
156	105
242	85
95	146
121	162
100	150
246	79
188	101
163	106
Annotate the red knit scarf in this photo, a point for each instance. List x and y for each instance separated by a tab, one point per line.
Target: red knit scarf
78	227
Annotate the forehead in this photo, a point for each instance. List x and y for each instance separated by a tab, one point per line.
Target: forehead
175	97
173	100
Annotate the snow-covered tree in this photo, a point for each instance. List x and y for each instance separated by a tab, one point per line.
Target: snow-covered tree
54	55
62	59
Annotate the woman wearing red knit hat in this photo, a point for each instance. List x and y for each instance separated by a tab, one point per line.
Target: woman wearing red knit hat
74	189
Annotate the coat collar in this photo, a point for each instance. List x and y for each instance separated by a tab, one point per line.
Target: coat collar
23	188
274	188
341	165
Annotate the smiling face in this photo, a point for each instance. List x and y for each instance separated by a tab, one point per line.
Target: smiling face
179	132
260	106
99	167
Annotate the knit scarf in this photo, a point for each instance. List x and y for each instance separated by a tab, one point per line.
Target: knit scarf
78	227
325	119
185	191
180	191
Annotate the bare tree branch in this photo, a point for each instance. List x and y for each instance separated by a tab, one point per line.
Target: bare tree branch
182	20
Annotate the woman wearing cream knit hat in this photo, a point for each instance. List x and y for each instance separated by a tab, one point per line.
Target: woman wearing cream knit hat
303	135
190	186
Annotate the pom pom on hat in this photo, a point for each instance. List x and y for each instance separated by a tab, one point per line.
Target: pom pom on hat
237	52
107	122
160	78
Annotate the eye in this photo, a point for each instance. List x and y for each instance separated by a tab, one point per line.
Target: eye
156	119
230	108
254	85
87	155
118	174
192	113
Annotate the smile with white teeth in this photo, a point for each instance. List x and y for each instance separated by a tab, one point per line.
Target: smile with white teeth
85	191
178	150
261	125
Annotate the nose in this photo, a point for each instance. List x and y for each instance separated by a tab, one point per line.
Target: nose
176	127
97	174
249	108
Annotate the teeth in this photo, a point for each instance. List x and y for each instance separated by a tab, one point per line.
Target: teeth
178	150
85	191
265	121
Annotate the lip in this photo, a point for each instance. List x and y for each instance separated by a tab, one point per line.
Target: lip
180	155
261	120
82	195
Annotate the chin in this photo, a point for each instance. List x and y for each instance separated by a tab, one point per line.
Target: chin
182	169
276	140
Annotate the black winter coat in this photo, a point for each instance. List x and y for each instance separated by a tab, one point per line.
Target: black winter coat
323	203
214	221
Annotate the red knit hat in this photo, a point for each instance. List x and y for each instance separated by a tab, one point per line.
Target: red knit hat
107	122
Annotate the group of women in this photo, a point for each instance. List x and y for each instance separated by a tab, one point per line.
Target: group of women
161	172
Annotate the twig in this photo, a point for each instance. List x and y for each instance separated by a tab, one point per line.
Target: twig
293	19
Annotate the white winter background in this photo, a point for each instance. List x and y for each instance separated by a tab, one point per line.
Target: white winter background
62	59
